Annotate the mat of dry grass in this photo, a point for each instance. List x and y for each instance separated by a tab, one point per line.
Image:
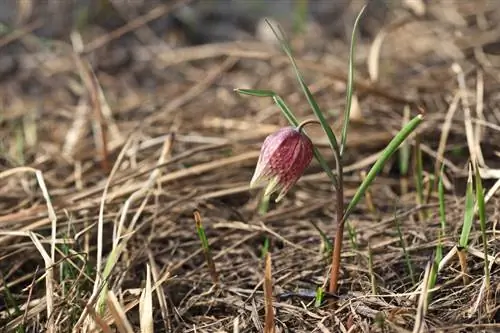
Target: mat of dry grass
111	140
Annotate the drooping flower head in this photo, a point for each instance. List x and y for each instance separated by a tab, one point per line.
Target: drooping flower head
284	156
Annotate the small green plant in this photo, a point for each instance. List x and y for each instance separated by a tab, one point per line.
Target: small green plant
466	227
318	297
265	248
419	178
277	176
481	209
409	265
206	248
438	255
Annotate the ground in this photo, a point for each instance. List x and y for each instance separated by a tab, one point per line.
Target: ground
119	123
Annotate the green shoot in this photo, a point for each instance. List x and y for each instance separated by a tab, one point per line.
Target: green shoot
373	280
326	242
10	301
350	84
352	236
442	207
468	215
438	256
404	155
419	177
377	167
404	150
482	222
265	248
409	265
466	227
318	298
206	248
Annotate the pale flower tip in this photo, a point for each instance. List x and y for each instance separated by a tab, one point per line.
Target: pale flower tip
280	196
257	177
271	186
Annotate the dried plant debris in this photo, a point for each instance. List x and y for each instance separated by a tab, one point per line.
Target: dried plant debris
118	120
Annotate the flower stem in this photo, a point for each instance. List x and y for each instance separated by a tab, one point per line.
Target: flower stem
307	122
339	193
339	234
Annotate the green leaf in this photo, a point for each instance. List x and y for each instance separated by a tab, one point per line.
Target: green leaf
350	84
408	262
404	150
482	221
377	167
310	99
442	208
256	92
469	213
318	299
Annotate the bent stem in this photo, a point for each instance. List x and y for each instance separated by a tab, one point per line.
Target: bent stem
339	233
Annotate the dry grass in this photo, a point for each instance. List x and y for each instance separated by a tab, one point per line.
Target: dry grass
103	164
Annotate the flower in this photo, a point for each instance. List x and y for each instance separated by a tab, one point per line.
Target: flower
284	156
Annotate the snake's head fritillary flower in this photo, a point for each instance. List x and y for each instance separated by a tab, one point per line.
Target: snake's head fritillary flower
284	156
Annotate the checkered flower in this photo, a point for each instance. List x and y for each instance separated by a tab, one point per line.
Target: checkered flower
284	156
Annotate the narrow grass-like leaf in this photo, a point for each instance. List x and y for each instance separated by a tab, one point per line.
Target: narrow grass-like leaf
469	213
373	280
377	167
434	270
265	248
256	92
9	300
324	238
442	205
404	150
409	265
482	221
310	99
352	236
350	83
318	297
206	248
419	172
466	228
293	121
439	247
419	177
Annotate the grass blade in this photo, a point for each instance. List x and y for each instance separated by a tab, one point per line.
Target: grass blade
373	280
468	215
419	177
482	222
318	297
466	228
439	247
442	207
408	262
206	248
325	240
350	83
377	167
